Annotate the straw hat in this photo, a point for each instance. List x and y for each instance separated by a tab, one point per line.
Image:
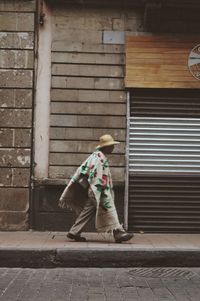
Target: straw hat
106	140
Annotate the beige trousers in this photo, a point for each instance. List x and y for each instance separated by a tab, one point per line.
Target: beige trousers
88	212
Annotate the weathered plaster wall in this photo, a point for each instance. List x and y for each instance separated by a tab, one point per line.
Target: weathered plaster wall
17	25
88	97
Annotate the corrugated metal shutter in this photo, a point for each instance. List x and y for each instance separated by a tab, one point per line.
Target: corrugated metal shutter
164	161
164	145
164	204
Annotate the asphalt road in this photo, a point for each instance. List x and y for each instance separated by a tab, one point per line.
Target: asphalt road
100	284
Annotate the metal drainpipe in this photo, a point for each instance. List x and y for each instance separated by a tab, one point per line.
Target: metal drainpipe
127	163
41	87
32	165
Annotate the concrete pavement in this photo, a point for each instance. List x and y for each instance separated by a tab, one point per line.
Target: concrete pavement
53	249
95	284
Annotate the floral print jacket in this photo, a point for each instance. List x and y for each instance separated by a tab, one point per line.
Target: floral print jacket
96	169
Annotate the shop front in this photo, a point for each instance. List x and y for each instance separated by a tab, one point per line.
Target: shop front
163	153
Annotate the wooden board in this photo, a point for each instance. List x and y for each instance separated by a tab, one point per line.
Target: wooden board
160	61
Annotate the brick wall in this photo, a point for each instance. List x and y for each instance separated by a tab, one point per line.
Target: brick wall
17	25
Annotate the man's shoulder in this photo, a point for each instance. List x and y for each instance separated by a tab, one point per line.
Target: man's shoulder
98	154
100	157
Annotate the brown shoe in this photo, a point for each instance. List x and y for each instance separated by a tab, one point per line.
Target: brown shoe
121	235
76	237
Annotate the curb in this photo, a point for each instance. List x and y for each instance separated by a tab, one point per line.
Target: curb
52	258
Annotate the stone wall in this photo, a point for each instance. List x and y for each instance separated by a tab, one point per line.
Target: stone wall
17	43
88	97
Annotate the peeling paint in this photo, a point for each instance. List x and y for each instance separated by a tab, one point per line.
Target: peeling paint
3	159
23	160
3	34
23	35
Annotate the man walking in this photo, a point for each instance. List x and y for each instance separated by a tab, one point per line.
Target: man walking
90	194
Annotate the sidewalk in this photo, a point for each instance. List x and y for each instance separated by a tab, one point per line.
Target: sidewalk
54	249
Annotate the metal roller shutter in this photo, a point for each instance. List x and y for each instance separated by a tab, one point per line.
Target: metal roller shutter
164	161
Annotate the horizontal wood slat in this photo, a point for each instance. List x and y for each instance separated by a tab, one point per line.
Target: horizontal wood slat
141	84
70	159
63	45
162	38
156	62
80	146
153	45
85	134
87	83
171	56
159	61
88	95
87	70
78	34
88	58
88	108
88	121
67	171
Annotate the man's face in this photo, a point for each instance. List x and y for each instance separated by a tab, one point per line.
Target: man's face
108	149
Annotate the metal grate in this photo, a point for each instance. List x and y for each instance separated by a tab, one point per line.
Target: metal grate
172	273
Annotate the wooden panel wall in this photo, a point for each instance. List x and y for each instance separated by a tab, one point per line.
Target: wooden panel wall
17	31
160	61
87	96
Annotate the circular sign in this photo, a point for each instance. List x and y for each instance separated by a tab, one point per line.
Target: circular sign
194	62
